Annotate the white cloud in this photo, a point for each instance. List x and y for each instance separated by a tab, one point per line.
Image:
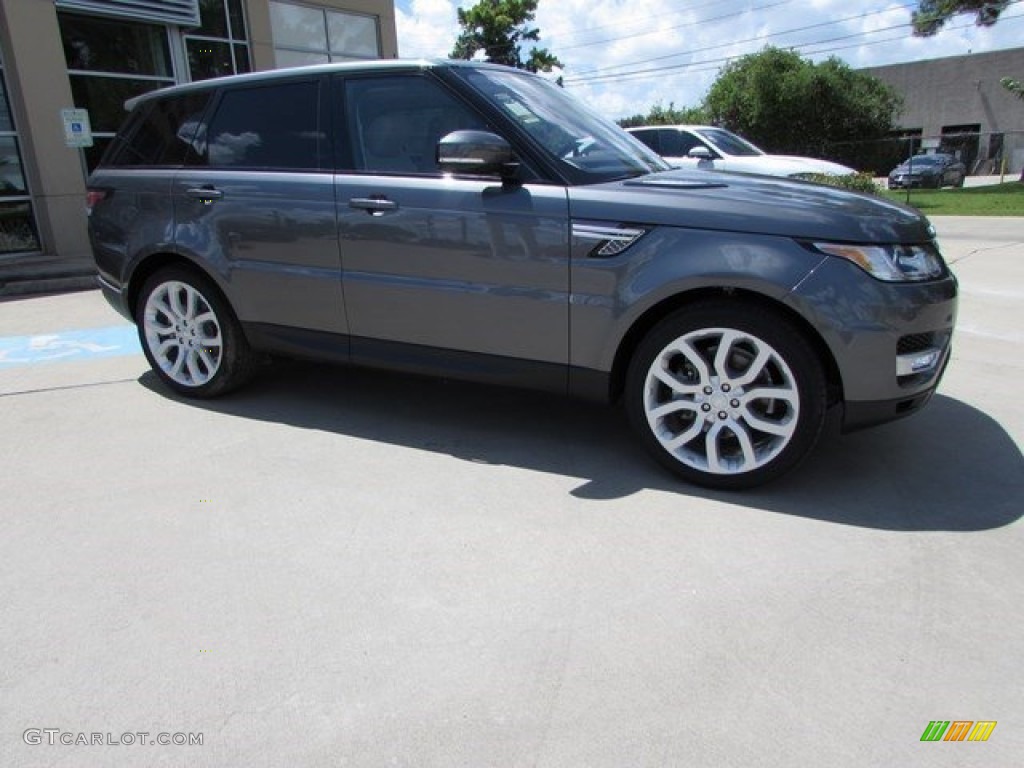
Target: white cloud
426	28
685	47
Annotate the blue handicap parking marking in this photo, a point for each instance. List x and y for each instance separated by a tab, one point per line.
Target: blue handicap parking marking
68	346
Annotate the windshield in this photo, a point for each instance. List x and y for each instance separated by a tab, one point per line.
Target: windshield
924	160
729	143
586	146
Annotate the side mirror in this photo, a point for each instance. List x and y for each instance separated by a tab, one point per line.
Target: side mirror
700	153
477	153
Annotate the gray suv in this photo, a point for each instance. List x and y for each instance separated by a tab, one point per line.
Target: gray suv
473	221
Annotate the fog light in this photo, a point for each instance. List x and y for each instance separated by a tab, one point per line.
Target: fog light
918	362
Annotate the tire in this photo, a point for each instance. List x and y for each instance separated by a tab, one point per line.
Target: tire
191	338
699	414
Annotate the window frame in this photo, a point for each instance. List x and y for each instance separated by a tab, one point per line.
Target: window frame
233	40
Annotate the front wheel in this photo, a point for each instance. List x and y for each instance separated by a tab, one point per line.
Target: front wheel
190	336
726	395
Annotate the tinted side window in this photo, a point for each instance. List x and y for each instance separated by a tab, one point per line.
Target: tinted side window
271	127
161	131
649	137
395	123
678	143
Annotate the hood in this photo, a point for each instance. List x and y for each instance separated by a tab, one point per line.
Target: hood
735	202
814	165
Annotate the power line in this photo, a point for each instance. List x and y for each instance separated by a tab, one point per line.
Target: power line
732	15
582	75
715	65
624	23
645	74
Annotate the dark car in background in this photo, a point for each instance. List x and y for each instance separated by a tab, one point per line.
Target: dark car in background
932	171
475	221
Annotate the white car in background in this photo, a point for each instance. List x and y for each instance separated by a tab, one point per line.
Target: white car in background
705	146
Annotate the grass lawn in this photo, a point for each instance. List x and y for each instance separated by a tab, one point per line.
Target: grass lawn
996	200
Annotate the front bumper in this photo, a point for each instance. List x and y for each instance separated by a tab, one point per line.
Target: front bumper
891	342
903	182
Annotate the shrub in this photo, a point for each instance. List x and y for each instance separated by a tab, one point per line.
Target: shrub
856	182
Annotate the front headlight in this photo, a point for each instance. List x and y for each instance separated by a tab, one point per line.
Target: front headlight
893	263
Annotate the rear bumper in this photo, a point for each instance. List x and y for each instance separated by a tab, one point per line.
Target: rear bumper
115	296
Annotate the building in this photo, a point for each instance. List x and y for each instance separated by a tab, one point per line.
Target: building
94	54
957	104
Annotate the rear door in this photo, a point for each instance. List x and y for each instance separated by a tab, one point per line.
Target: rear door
256	202
459	271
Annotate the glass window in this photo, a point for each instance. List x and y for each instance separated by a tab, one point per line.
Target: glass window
677	143
104	97
649	136
6	123
213	20
310	35
218	45
352	35
208	58
586	145
17	227
17	224
729	143
299	58
396	122
103	45
269	127
162	132
12	180
108	62
296	26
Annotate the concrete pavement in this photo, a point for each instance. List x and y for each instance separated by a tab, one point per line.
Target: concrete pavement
339	567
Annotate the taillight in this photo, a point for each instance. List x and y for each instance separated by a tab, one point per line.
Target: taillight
93	197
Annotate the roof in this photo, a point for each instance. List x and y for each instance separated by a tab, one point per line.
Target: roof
270	75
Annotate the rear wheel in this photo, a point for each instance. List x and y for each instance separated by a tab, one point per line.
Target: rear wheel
190	336
726	395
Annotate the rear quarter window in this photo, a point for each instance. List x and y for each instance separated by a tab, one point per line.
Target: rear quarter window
160	132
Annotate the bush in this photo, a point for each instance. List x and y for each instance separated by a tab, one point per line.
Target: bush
855	182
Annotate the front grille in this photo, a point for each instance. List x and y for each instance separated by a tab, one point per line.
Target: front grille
915	342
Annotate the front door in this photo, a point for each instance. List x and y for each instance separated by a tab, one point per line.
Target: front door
444	265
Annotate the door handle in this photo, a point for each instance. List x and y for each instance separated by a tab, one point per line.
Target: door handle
205	195
375	206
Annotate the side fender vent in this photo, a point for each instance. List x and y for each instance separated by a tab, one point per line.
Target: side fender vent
611	239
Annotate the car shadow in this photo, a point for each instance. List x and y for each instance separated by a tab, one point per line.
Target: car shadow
949	468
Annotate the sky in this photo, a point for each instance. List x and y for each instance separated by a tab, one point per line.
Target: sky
625	56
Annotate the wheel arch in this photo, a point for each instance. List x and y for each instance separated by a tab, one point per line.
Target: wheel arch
154	262
656	313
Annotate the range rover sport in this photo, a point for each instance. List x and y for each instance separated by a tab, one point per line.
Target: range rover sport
474	221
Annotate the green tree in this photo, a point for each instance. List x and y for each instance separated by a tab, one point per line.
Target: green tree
669	115
498	28
932	14
787	104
